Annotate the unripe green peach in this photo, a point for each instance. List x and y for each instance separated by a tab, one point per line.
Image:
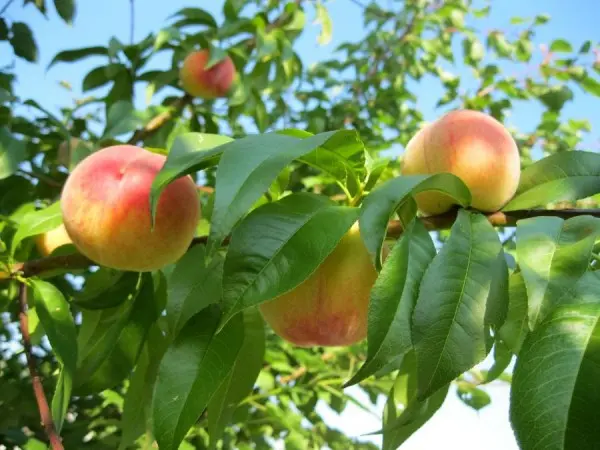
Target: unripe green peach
106	210
210	83
330	307
473	146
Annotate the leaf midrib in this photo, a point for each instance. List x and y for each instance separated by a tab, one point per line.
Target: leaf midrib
459	302
279	250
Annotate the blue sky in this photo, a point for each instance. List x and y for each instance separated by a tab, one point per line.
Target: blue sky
96	22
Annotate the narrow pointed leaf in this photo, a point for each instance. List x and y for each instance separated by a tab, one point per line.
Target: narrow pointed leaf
55	316
561	177
404	413
191	371
37	222
240	380
379	206
553	254
554	394
393	299
193	285
278	246
113	338
190	152
450	331
515	327
247	169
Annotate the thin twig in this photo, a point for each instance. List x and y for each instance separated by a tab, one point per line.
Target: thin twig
76	261
41	177
5	7
131	20
154	125
38	389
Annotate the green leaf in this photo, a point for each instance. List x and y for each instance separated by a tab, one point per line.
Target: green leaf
12	153
3	30
553	254
65	9
278	246
190	152
404	413
240	380
194	16
165	35
77	54
99	76
191	371
247	168
450	320
502	359
110	340
515	327
121	118
561	177
106	288
555	97
138	399
554	389
194	284
393	299
326	24
23	43
585	47
37	222
55	316
590	85
472	396
561	45
397	194
342	156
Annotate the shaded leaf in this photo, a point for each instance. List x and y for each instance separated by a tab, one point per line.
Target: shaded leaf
240	380
191	371
553	254
12	153
194	284
23	43
77	54
65	9
554	389
515	328
55	316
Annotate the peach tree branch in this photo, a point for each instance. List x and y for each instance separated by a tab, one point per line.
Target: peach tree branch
77	261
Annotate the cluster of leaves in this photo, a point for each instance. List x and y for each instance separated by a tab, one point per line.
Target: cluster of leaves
121	374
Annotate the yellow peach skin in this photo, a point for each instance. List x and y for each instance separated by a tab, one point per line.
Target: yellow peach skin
211	83
106	210
46	243
330	307
473	146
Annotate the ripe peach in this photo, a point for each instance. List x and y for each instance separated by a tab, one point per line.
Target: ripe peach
206	83
473	146
47	242
106	210
330	307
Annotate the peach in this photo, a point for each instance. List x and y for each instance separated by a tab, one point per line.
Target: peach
106	210
206	83
473	146
47	242
330	307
